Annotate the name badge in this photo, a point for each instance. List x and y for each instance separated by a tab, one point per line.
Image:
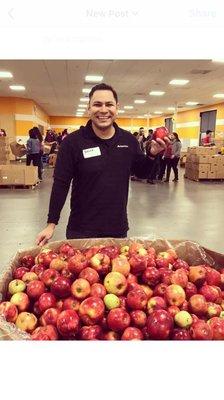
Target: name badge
92	152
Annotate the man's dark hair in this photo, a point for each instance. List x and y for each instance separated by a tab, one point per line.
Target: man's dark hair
103	86
208	131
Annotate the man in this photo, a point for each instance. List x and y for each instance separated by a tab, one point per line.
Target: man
99	158
207	140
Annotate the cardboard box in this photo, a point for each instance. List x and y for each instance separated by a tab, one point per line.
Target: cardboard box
214	167
19	150
202	159
30	175
212	175
18	175
189	251
202	167
220	174
4	141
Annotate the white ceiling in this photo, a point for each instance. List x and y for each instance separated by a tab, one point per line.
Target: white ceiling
57	85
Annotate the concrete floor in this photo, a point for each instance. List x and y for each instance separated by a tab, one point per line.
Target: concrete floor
184	210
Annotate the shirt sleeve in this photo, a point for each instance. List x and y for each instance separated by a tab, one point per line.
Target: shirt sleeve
141	164
63	174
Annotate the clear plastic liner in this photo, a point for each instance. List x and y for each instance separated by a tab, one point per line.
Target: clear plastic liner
189	251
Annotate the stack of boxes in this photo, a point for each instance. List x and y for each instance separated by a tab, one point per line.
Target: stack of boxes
4	151
204	163
18	175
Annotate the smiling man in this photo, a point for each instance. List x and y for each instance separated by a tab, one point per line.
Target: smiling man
99	159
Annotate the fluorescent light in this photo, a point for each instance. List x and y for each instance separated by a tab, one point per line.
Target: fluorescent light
156	93
128	107
221	60
121	111
86	90
5	74
82	105
171	108
219	95
80	110
139	101
179	82
93	78
158	112
84	99
147	115
79	114
191	103
140	116
17	87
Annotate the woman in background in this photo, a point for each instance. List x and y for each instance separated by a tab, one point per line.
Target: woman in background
174	156
33	152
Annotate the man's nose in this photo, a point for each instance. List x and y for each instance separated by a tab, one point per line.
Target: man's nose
103	108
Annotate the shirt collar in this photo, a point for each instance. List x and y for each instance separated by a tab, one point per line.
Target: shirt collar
89	132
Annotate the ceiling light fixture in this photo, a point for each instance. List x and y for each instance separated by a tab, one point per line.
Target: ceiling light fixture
219	95
139	101
5	74
191	103
179	82
128	107
156	93
86	90
94	78
84	99
17	87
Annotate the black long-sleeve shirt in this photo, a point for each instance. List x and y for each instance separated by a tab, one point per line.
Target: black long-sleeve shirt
100	171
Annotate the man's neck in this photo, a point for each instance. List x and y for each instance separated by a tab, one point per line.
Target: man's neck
104	134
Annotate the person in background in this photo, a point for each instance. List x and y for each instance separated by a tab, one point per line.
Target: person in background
33	151
51	139
173	156
99	159
2	132
207	140
64	134
59	138
39	136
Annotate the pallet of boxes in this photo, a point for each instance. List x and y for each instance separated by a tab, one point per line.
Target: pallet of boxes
12	175
204	163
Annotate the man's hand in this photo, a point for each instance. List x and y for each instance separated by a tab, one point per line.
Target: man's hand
158	145
45	235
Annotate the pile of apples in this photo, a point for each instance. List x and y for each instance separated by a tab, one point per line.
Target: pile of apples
115	293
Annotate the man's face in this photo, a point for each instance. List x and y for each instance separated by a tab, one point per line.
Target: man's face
103	109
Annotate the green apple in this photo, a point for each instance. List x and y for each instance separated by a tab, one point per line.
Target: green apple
221	315
183	319
111	301
115	283
16	286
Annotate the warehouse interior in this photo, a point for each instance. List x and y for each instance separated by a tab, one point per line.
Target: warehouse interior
51	99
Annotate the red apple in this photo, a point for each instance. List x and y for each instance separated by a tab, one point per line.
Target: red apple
77	263
197	275
138	318
169	255
184	306
35	289
179	263
132	333
137	299
98	290
80	288
198	305
93	332
111	251
61	287
162	262
211	293
29	277
213	310
156	303
68	323
173	310
213	277
91	310
179	277
160	133
151	276
110	335
67	251
70	304
38	269
138	263
19	272
46	300
131	278
190	290
49	276
67	274
45	257
21	301
165	275
217	326
100	262
26	322
175	295
181	334
160	325
90	274
36	308
118	319
123	302
9	311
200	330
160	289
58	263
48	332
121	264
49	317
137	249
27	261
148	291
